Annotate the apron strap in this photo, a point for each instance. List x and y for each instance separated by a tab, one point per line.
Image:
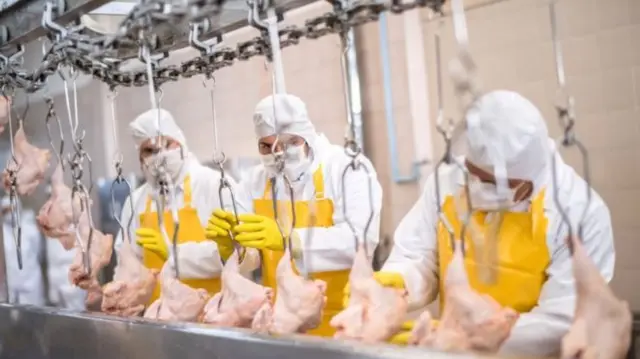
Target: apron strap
318	185
537	216
187	195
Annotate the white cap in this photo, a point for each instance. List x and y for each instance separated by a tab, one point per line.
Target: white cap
290	113
504	129
145	126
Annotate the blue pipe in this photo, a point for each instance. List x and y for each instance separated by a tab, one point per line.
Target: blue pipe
397	177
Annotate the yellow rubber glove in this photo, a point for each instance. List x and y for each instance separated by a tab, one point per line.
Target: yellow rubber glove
387	279
259	232
152	240
220	223
402	338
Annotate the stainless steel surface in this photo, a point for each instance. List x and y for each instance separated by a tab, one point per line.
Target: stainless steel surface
35	333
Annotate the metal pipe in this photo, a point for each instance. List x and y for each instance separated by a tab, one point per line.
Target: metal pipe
414	175
351	79
4	286
276	52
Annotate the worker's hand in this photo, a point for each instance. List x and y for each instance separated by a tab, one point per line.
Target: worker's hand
152	240
255	231
220	223
387	279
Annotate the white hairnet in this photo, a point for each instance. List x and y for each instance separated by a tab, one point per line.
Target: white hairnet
290	113
145	126
504	129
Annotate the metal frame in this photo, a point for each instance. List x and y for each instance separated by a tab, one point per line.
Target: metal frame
22	21
39	333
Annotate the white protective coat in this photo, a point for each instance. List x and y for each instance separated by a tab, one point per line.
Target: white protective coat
328	249
26	286
199	260
518	130
61	292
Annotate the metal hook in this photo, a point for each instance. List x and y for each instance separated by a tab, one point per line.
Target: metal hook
448	130
286	236
84	208
51	114
167	188
205	47
566	116
356	165
16	222
224	184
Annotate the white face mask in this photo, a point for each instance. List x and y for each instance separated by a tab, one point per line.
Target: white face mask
296	162
484	196
173	163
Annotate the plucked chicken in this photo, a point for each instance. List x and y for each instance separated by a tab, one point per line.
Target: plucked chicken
178	301
470	320
601	327
240	299
99	254
132	285
375	313
31	164
299	303
55	218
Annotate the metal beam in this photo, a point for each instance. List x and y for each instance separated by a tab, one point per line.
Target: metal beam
23	19
233	17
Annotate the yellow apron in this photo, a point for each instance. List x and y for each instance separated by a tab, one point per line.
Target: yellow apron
336	280
523	255
190	231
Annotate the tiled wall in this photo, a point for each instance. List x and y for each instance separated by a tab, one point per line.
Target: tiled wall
511	42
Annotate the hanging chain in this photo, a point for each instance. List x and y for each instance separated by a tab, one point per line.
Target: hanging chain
97	55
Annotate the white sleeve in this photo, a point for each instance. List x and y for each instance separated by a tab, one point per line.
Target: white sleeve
415	249
333	248
197	260
540	331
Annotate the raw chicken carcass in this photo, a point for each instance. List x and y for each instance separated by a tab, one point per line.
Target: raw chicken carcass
99	254
55	218
132	285
240	299
602	324
299	303
178	301
32	162
375	313
470	321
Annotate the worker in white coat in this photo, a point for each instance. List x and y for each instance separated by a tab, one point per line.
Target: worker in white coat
506	131
315	168
26	286
196	197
